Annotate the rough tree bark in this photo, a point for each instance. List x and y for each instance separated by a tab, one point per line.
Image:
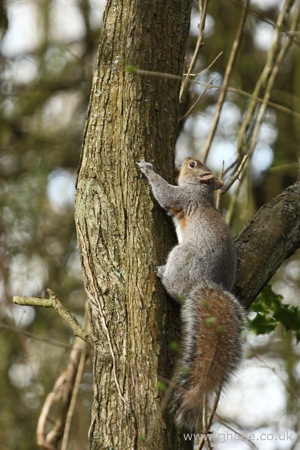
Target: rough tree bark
271	236
121	235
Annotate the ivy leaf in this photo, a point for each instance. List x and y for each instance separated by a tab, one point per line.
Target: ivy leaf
262	324
270	311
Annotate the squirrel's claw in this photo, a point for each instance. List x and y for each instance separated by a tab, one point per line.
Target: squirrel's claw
144	166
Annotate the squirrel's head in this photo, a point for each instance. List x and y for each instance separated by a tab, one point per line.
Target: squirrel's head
195	172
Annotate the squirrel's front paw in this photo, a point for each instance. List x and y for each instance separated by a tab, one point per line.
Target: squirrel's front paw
145	167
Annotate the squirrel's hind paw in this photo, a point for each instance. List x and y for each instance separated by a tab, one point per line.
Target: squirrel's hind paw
160	270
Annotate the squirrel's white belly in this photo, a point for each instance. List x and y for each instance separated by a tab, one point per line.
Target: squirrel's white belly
178	230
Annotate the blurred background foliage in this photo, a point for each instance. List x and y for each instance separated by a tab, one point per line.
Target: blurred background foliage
47	54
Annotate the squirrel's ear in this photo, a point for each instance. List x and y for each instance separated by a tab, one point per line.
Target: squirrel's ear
217	183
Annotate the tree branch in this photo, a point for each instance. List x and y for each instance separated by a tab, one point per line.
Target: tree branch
227	75
277	107
235	176
266	79
203	13
54	302
271	237
57	410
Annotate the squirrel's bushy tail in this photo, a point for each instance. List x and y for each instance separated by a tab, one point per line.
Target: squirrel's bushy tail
211	348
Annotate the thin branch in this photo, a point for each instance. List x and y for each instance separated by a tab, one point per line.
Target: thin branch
49	442
236	175
266	79
206	68
284	167
271	80
34	336
211	416
197	100
60	401
231	206
75	391
223	92
203	12
54	302
265	74
245	94
151	73
291	389
220	176
273	105
238	433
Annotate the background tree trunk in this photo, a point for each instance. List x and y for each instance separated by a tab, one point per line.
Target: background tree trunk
121	236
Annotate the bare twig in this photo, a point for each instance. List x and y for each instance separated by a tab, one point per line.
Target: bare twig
54	302
75	390
172	76
197	101
34	336
234	197
203	12
63	394
232	58
266	80
262	81
271	79
235	175
218	196
231	206
210	418
282	167
48	442
243	437
273	105
206	68
229	89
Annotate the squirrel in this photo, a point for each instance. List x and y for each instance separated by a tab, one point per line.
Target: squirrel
199	273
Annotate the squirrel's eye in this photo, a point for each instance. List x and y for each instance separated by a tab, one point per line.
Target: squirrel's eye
192	164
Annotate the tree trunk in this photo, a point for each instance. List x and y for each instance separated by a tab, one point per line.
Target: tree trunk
121	234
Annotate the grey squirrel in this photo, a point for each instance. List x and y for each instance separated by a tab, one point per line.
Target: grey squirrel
198	273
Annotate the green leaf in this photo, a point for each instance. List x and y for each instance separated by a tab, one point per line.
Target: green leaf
271	311
262	324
